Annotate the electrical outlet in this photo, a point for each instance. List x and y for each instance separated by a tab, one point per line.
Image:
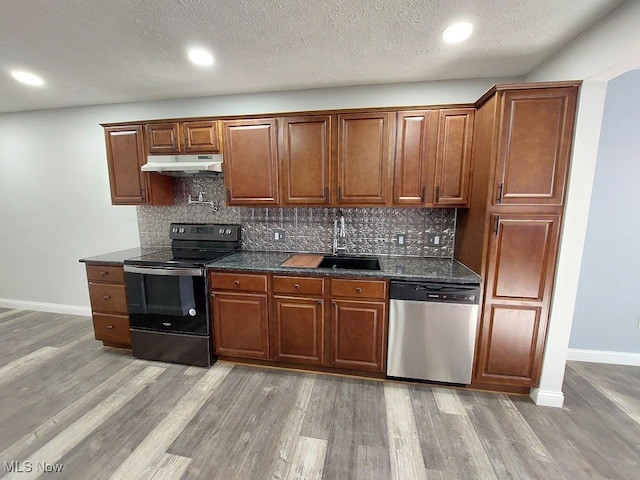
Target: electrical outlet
401	238
279	235
434	239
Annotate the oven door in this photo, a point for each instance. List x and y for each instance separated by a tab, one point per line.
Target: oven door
172	300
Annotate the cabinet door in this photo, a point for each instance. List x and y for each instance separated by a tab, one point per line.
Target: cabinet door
306	159
415	157
357	335
453	157
364	154
125	157
534	146
521	264
163	138
299	336
251	167
240	325
200	137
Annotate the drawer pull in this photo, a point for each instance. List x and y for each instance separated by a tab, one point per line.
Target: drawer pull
236	282
358	290
109	327
107	297
297	286
104	274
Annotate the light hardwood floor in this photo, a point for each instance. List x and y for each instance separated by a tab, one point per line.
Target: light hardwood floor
101	414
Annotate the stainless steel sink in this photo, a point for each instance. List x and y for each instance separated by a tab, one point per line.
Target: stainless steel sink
350	262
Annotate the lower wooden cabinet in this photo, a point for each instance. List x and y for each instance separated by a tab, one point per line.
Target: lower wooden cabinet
299	330
109	304
357	331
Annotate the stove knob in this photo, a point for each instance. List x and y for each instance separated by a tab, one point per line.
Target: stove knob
181	230
221	231
228	231
174	230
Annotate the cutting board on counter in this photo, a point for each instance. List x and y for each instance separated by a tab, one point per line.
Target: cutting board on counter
303	261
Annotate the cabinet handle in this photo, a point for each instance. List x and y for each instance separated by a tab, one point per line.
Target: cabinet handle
297	286
106	297
143	194
319	302
102	274
423	195
236	282
228	195
437	193
500	188
109	327
358	290
497	224
185	141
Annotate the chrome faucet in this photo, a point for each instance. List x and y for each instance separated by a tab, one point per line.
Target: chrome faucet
339	232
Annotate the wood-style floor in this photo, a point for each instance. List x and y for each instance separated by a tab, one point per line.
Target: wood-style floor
97	413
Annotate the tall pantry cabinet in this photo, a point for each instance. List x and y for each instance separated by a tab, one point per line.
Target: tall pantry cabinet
510	233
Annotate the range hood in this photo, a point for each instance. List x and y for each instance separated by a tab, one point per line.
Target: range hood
184	165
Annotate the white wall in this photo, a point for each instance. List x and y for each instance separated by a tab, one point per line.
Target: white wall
55	206
593	57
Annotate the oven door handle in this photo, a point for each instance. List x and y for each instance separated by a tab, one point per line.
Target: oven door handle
172	272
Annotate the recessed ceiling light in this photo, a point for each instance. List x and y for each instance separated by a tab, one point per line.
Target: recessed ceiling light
200	57
458	32
27	78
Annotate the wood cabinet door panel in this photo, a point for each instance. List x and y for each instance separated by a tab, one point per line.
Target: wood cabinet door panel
534	145
240	325
250	164
357	330
200	137
415	157
453	157
105	273
363	158
299	330
522	256
125	157
512	345
163	138
306	159
106	297
112	328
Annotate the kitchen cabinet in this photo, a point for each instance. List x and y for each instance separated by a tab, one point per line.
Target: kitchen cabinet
358	324
239	312
433	157
173	138
519	279
534	144
306	159
125	157
510	233
364	158
298	313
109	304
251	161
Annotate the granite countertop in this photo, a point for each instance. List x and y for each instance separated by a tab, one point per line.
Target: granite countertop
444	270
118	258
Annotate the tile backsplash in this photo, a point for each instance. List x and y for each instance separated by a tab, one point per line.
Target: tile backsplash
368	230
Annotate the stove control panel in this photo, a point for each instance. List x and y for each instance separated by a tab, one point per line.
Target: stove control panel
205	231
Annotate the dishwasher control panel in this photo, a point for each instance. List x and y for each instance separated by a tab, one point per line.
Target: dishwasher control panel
434	292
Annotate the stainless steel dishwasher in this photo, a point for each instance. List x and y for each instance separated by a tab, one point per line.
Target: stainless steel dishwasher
432	331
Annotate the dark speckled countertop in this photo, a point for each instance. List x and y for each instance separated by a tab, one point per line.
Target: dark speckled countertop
444	270
118	258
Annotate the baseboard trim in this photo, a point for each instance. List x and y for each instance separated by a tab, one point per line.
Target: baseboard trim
547	398
603	356
45	307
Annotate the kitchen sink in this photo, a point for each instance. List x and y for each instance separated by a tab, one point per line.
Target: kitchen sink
350	263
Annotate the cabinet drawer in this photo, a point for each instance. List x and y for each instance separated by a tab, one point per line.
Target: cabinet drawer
238	281
111	328
105	273
359	288
108	298
293	285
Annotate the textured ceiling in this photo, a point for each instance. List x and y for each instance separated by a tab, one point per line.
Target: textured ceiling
97	52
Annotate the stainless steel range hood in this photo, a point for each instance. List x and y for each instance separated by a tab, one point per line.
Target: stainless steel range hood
184	165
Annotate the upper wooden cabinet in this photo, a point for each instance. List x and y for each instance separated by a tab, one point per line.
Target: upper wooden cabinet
182	137
251	161
534	143
306	156
125	157
433	157
364	158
